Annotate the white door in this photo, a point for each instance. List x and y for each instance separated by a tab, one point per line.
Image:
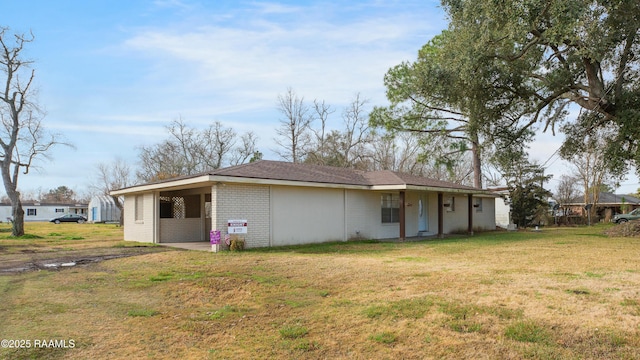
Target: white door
423	223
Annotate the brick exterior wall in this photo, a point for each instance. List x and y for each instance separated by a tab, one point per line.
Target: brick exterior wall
181	230
141	230
250	202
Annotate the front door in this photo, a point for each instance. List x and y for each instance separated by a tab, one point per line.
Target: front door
423	223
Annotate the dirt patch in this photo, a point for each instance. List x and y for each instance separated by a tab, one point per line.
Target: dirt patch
627	229
30	260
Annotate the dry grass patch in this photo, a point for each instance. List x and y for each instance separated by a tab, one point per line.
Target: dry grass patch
558	293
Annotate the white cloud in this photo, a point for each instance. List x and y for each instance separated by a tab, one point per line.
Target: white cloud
254	62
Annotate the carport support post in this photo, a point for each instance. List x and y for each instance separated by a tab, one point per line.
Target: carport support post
402	216
440	215
470	202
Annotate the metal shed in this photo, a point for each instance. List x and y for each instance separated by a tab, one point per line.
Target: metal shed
102	208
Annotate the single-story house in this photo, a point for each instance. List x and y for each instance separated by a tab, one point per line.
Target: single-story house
36	211
275	203
608	205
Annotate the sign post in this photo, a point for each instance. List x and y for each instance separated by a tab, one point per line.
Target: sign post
214	237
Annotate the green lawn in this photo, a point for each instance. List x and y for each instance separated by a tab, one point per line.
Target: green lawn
569	293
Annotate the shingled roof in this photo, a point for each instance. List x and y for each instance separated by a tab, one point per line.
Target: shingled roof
278	170
306	173
607	198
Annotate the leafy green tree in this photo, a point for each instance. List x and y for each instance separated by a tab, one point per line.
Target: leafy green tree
529	200
548	54
428	97
59	195
449	95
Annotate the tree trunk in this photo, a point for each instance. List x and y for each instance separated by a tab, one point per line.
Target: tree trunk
17	223
17	213
477	162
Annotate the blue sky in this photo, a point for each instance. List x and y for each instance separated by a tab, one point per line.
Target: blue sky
112	74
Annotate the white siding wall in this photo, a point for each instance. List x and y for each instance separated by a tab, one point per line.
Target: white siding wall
486	219
365	215
250	202
307	215
502	213
141	230
43	212
456	220
279	215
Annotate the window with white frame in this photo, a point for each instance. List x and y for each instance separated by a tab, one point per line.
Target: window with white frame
59	210
390	205
32	212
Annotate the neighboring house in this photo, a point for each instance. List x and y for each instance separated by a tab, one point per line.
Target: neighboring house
608	205
103	208
36	211
284	204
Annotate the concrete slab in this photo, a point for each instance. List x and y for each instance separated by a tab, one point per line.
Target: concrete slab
200	245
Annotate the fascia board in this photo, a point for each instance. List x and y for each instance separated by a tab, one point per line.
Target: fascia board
479	192
387	187
165	186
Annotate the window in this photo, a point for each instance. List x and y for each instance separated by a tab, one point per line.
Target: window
139	210
180	207
390	204
450	204
478	205
59	210
32	212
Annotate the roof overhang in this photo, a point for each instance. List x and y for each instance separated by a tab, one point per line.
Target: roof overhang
211	180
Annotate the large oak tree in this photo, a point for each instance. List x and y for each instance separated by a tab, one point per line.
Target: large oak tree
549	54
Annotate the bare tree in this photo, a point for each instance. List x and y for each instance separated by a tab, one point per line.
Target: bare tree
350	147
567	191
385	152
246	151
591	165
216	141
190	151
293	133
319	153
113	176
22	137
357	135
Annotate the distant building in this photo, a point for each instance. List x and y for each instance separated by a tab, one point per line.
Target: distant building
103	208
36	211
608	205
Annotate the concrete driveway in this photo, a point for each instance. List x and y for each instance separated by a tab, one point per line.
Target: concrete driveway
200	245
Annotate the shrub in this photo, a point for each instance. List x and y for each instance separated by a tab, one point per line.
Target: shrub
236	245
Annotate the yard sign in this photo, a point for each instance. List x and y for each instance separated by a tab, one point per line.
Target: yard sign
237	226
